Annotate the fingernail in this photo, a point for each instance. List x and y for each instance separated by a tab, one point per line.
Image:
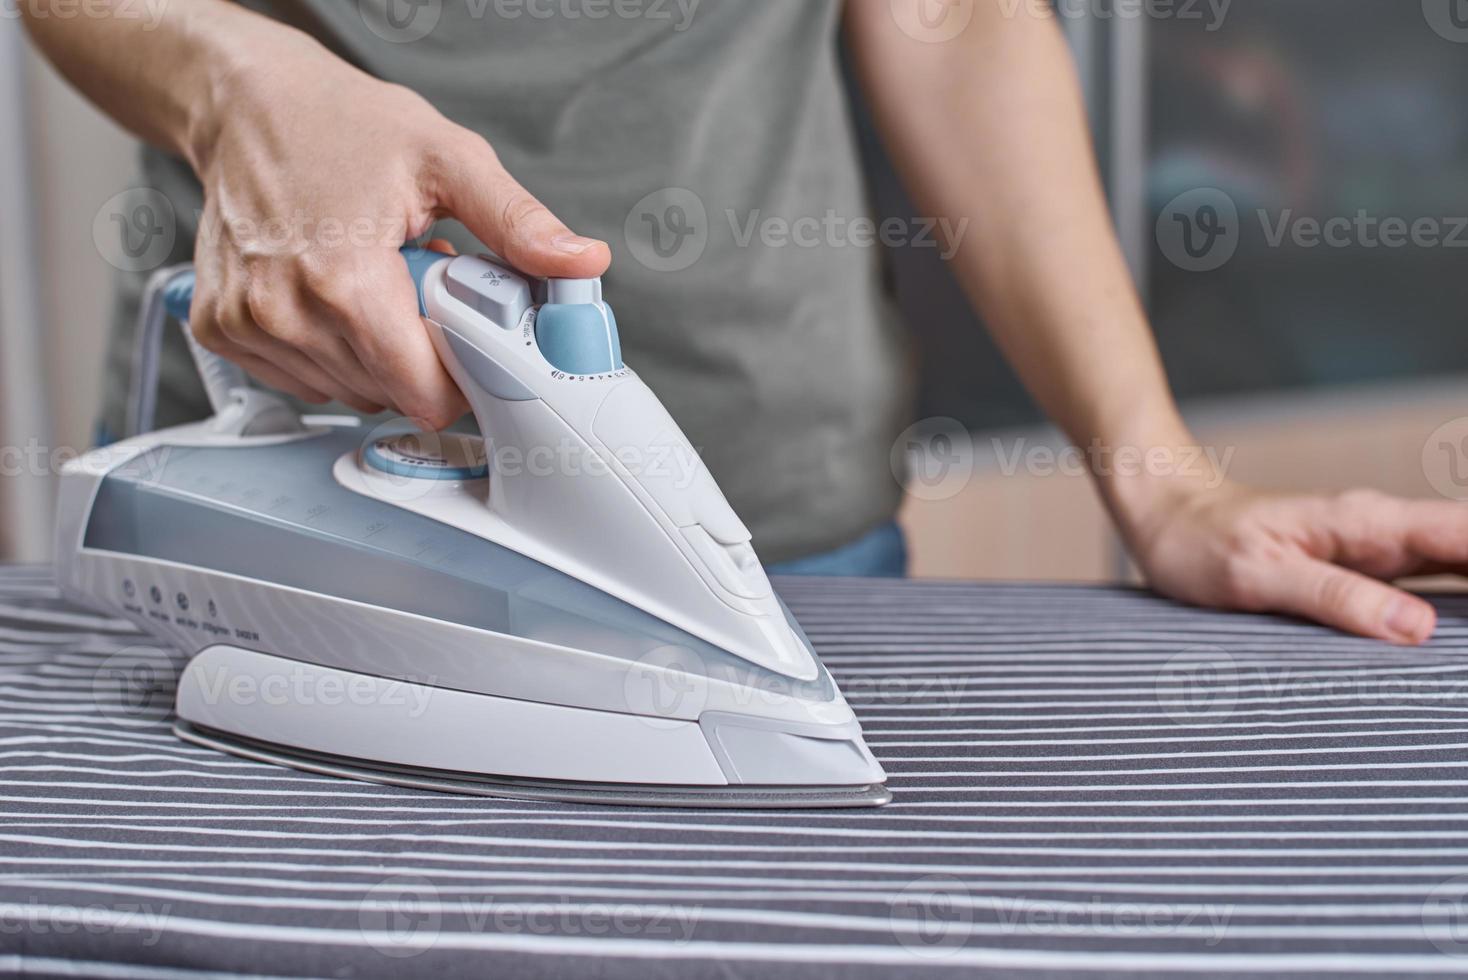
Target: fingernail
1405	618
574	244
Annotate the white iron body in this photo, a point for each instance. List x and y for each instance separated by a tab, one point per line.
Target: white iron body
586	621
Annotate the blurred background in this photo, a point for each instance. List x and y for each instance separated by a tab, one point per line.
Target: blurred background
1290	182
1289	179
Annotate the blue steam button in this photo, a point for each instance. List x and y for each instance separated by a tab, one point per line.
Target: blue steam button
575	330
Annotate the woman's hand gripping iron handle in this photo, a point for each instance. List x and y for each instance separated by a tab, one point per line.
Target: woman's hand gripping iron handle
222	379
225	383
565	336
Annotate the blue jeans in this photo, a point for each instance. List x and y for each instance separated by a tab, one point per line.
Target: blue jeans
881	553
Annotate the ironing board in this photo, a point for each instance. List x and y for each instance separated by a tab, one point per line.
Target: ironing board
1086	780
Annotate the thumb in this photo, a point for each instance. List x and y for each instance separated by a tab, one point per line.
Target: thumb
475	188
1350	601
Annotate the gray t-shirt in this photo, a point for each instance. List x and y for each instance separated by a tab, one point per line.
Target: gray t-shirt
710	144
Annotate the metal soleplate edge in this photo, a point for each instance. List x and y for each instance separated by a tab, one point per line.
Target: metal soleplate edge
516	788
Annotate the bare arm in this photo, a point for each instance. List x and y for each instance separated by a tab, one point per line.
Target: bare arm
284	135
988	125
162	82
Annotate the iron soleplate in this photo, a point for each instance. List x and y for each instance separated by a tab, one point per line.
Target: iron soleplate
540	790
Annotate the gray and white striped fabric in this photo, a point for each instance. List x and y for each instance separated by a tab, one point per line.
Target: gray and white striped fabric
1086	780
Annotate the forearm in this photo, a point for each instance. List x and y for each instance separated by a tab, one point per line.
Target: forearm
990	127
313	173
164	80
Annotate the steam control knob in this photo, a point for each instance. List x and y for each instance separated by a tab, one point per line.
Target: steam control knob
430	456
575	330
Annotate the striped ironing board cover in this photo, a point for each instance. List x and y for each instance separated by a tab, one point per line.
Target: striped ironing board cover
1086	780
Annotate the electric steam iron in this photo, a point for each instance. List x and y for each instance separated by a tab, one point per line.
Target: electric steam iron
567	609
